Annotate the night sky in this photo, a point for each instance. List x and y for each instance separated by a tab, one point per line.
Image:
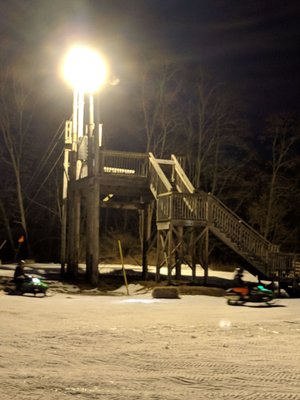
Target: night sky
251	45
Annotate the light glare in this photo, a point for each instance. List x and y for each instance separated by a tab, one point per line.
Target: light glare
84	69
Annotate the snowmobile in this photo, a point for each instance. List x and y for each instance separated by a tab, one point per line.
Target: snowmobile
240	295
33	285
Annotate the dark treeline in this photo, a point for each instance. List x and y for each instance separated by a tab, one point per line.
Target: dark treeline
172	110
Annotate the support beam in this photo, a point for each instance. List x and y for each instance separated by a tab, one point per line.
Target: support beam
206	254
179	252
145	230
77	207
64	207
169	253
93	222
73	233
63	236
192	252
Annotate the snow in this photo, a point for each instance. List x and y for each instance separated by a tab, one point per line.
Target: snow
73	346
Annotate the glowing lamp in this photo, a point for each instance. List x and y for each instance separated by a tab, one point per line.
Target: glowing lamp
84	69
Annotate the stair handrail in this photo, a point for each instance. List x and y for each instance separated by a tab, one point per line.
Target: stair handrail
182	206
161	177
240	221
284	265
244	239
267	256
182	175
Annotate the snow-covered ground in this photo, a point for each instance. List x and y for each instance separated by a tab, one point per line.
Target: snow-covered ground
71	346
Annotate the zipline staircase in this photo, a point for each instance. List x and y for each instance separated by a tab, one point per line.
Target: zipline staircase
186	219
179	205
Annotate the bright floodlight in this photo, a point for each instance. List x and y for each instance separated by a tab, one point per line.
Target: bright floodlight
84	69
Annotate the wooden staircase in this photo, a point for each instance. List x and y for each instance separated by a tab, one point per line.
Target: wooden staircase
186	219
180	206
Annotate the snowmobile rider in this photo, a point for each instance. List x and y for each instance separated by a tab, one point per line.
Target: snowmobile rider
19	275
238	277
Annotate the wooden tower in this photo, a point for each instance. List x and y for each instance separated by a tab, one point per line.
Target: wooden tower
186	220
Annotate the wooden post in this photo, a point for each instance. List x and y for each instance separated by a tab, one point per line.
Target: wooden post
95	232
77	205
179	252
70	248
63	235
162	243
206	237
93	200
88	234
170	240
193	245
71	214
73	232
157	275
64	209
169	254
143	219
206	255
146	216
93	223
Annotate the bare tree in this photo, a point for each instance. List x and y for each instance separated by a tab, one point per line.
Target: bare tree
159	99
200	126
278	175
15	121
5	218
214	136
189	114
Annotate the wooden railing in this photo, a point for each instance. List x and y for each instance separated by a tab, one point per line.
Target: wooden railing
181	181
123	163
181	206
176	180
238	231
283	265
159	183
205	208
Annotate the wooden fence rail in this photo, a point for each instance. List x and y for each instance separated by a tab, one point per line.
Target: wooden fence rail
124	163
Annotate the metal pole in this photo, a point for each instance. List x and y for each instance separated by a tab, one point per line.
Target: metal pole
80	113
64	210
75	117
90	135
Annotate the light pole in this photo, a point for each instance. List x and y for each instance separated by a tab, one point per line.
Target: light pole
85	71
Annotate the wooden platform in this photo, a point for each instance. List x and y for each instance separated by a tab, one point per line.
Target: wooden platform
185	218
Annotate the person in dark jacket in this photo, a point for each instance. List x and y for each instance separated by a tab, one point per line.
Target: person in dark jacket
19	275
238	277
